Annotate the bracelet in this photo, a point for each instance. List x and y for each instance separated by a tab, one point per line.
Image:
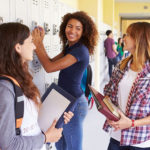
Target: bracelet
132	125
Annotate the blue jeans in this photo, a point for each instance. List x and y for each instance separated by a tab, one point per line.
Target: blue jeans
119	57
127	54
112	62
73	131
115	145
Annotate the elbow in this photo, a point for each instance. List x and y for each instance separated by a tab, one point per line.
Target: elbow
50	67
47	69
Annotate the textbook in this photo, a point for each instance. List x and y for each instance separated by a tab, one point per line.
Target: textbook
55	101
104	105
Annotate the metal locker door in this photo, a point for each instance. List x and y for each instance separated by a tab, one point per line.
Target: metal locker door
46	9
4	11
103	62
21	11
34	19
55	40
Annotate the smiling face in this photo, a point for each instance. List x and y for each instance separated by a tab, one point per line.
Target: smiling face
74	30
26	49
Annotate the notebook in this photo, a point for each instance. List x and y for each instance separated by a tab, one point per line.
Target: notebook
104	105
55	102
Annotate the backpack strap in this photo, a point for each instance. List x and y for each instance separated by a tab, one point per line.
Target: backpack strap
89	80
19	102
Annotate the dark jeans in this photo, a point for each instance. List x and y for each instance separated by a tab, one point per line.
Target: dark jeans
119	58
112	62
115	145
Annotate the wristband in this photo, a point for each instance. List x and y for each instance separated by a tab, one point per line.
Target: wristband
132	125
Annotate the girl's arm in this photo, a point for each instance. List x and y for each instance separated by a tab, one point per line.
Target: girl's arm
126	122
8	138
50	65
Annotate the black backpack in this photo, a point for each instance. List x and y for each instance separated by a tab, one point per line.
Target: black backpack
88	80
19	102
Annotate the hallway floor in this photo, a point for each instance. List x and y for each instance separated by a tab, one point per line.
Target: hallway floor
94	137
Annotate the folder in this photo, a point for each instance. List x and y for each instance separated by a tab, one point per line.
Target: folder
55	102
104	105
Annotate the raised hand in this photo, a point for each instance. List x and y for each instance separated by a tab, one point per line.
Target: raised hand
38	35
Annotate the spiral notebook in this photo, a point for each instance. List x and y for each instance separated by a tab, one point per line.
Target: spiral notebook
55	102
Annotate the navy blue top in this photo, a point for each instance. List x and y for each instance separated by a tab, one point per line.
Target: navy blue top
70	78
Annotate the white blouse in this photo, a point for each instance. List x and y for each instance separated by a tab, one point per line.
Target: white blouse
30	125
124	88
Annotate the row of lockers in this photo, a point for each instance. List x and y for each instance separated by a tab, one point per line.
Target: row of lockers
46	13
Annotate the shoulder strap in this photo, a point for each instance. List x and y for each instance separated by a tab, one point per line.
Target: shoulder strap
89	80
19	102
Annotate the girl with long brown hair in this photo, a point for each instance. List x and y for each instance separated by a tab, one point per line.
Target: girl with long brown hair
129	89
16	49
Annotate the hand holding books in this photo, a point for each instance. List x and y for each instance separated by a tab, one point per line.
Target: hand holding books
67	116
104	105
123	123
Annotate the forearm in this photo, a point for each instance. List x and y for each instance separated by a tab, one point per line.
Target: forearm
24	142
114	49
43	57
141	122
50	65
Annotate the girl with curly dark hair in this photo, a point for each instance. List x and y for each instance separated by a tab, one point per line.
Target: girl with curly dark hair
16	49
79	36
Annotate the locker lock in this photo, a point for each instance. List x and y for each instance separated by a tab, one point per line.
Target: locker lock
55	80
46	86
19	20
1	20
55	30
46	28
34	24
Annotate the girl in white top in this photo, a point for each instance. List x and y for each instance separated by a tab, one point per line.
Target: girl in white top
16	48
129	89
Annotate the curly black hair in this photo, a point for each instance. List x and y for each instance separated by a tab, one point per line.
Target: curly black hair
90	34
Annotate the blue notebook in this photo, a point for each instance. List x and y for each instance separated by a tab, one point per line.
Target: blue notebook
55	102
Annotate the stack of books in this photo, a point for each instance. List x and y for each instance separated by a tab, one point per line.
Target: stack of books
104	105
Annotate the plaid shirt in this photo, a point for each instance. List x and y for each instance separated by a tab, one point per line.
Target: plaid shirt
139	106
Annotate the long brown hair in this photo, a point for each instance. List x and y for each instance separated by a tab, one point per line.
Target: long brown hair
11	62
90	34
140	32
